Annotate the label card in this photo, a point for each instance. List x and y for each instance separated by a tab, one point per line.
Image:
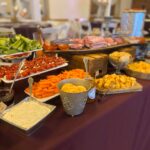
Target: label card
2	106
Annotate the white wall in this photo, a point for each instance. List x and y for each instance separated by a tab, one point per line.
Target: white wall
121	5
125	4
35	9
8	5
69	9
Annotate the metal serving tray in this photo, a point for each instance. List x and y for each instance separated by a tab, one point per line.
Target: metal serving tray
33	128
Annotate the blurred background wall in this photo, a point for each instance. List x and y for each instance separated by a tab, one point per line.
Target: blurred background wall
68	9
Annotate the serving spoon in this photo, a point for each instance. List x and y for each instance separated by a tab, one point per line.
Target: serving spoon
20	67
92	92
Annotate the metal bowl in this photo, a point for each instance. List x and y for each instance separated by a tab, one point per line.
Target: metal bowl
74	103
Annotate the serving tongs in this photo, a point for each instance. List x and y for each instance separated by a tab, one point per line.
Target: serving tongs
86	61
19	69
3	106
30	82
103	95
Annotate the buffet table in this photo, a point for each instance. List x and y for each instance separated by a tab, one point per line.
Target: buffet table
121	122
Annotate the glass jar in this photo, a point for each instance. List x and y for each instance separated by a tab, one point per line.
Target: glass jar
6	97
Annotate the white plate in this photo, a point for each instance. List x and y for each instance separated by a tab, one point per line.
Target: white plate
34	74
20	52
5	64
43	99
17	58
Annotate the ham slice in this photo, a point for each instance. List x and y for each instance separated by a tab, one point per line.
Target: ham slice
77	41
110	41
119	40
94	41
76	46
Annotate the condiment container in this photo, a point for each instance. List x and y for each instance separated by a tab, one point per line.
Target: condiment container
6	97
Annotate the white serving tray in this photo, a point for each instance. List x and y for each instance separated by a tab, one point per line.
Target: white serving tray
5	64
17	58
20	52
43	99
34	74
